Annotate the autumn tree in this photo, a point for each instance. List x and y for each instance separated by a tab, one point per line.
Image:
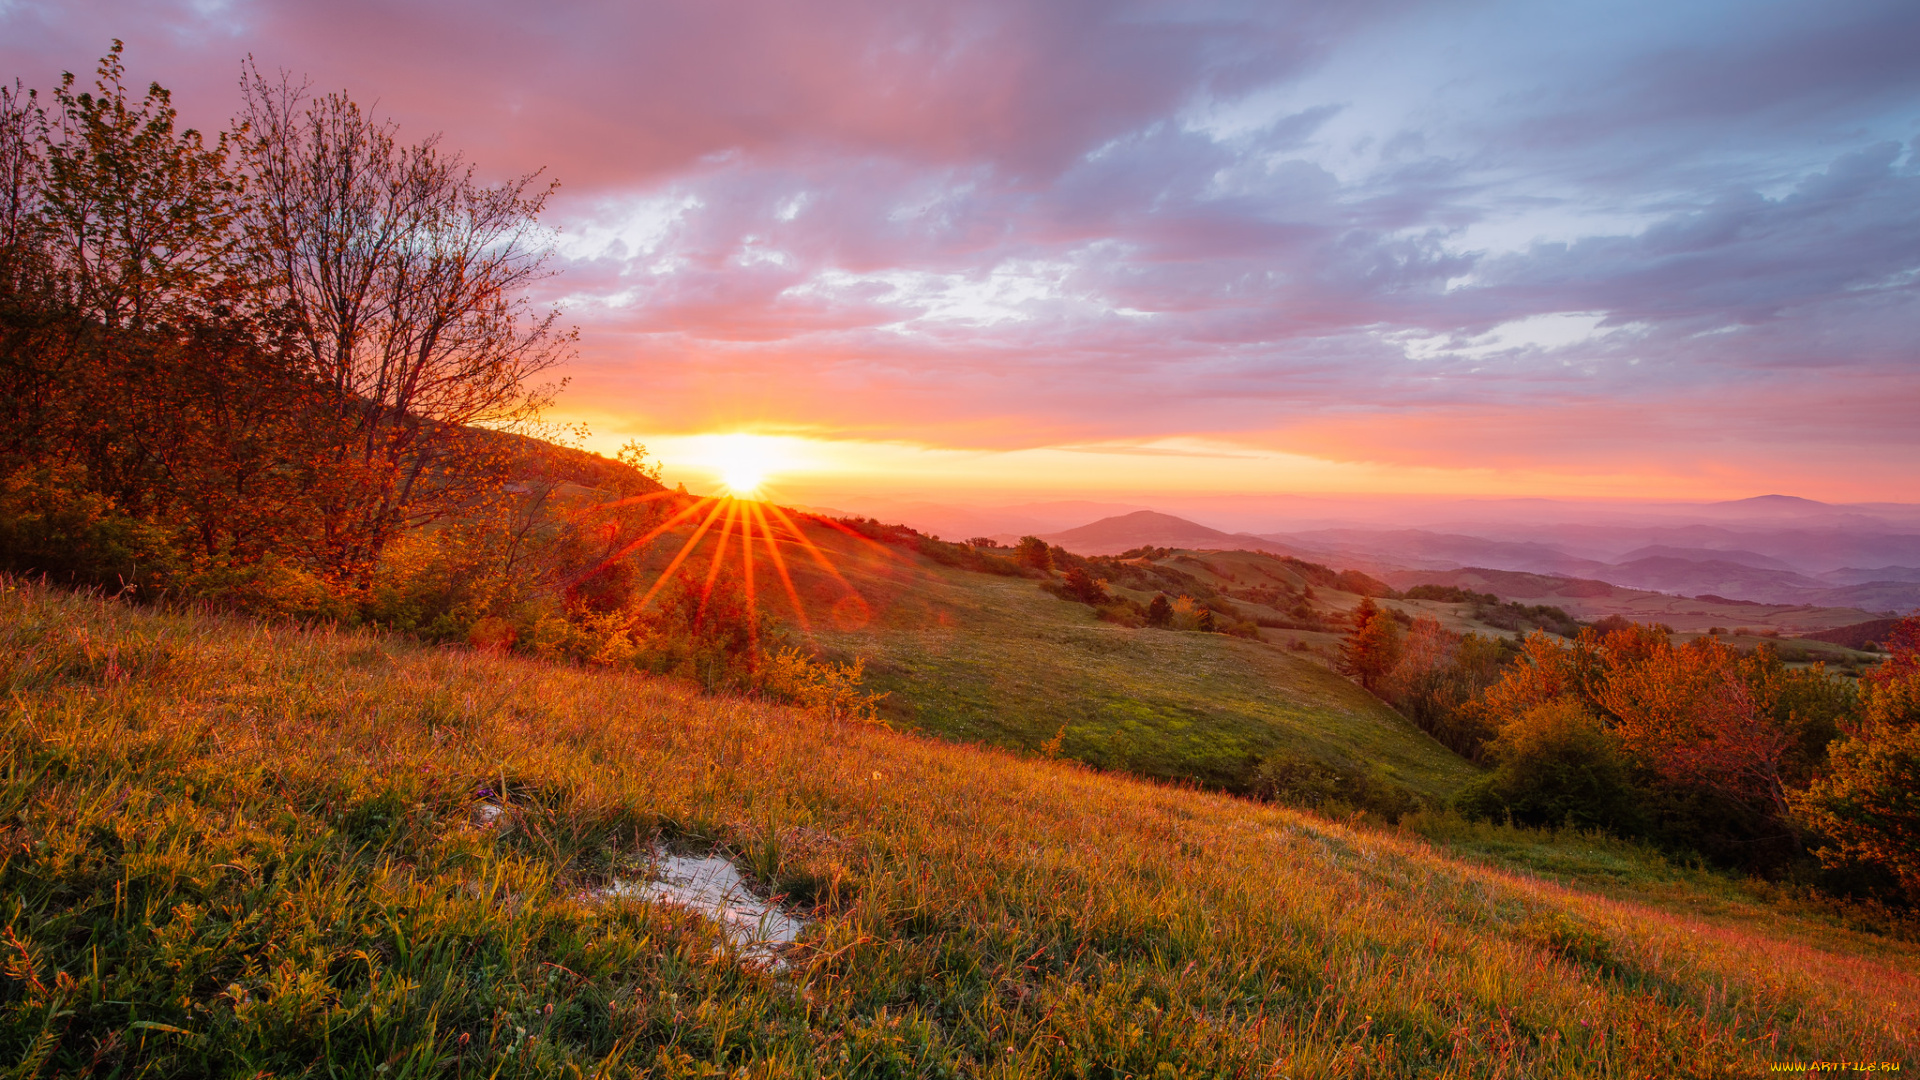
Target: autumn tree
1702	716
141	214
1372	647
1866	803
399	281
27	386
1437	676
22	134
1160	611
134	374
1033	553
1716	738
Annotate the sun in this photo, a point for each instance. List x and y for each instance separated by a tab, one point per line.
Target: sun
743	478
743	462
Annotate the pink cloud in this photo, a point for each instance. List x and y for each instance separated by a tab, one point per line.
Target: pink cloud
991	224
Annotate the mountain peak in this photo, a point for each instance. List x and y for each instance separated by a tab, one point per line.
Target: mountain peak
1151	528
1782	501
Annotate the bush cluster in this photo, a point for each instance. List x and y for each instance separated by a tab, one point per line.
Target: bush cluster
1334	790
1703	746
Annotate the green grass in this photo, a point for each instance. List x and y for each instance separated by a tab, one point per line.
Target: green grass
995	660
236	850
1596	862
1009	665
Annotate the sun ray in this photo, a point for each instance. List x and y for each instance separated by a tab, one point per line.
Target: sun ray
680	557
812	548
719	559
688	511
631	500
780	566
867	540
752	518
746	576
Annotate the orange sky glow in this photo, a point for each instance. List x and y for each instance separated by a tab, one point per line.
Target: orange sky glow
803	468
1608	251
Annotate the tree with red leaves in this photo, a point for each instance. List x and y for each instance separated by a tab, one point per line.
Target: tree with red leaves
1371	649
1703	716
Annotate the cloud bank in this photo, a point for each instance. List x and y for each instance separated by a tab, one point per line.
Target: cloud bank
1600	237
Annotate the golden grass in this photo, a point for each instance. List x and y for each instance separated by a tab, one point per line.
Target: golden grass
231	848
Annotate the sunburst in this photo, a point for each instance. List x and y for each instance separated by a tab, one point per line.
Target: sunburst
760	526
744	462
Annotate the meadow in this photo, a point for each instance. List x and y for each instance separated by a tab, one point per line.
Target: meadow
1006	664
996	660
233	848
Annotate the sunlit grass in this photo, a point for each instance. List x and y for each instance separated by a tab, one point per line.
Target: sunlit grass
230	848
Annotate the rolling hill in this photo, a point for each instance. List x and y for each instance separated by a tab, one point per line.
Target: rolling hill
1149	528
1588	600
995	660
1772	550
237	849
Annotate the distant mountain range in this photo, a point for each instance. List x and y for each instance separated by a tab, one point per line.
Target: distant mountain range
1760	571
1775	549
1148	528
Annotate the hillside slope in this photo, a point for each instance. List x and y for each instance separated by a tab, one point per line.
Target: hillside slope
232	849
1012	666
992	659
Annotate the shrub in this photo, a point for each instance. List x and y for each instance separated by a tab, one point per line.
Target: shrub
1160	611
1186	614
1033	553
1612	624
1081	586
51	524
1555	764
1311	784
829	690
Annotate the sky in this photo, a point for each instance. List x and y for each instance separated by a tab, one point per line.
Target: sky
977	248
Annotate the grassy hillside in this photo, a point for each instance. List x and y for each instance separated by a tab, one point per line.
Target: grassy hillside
991	659
1013	666
236	850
